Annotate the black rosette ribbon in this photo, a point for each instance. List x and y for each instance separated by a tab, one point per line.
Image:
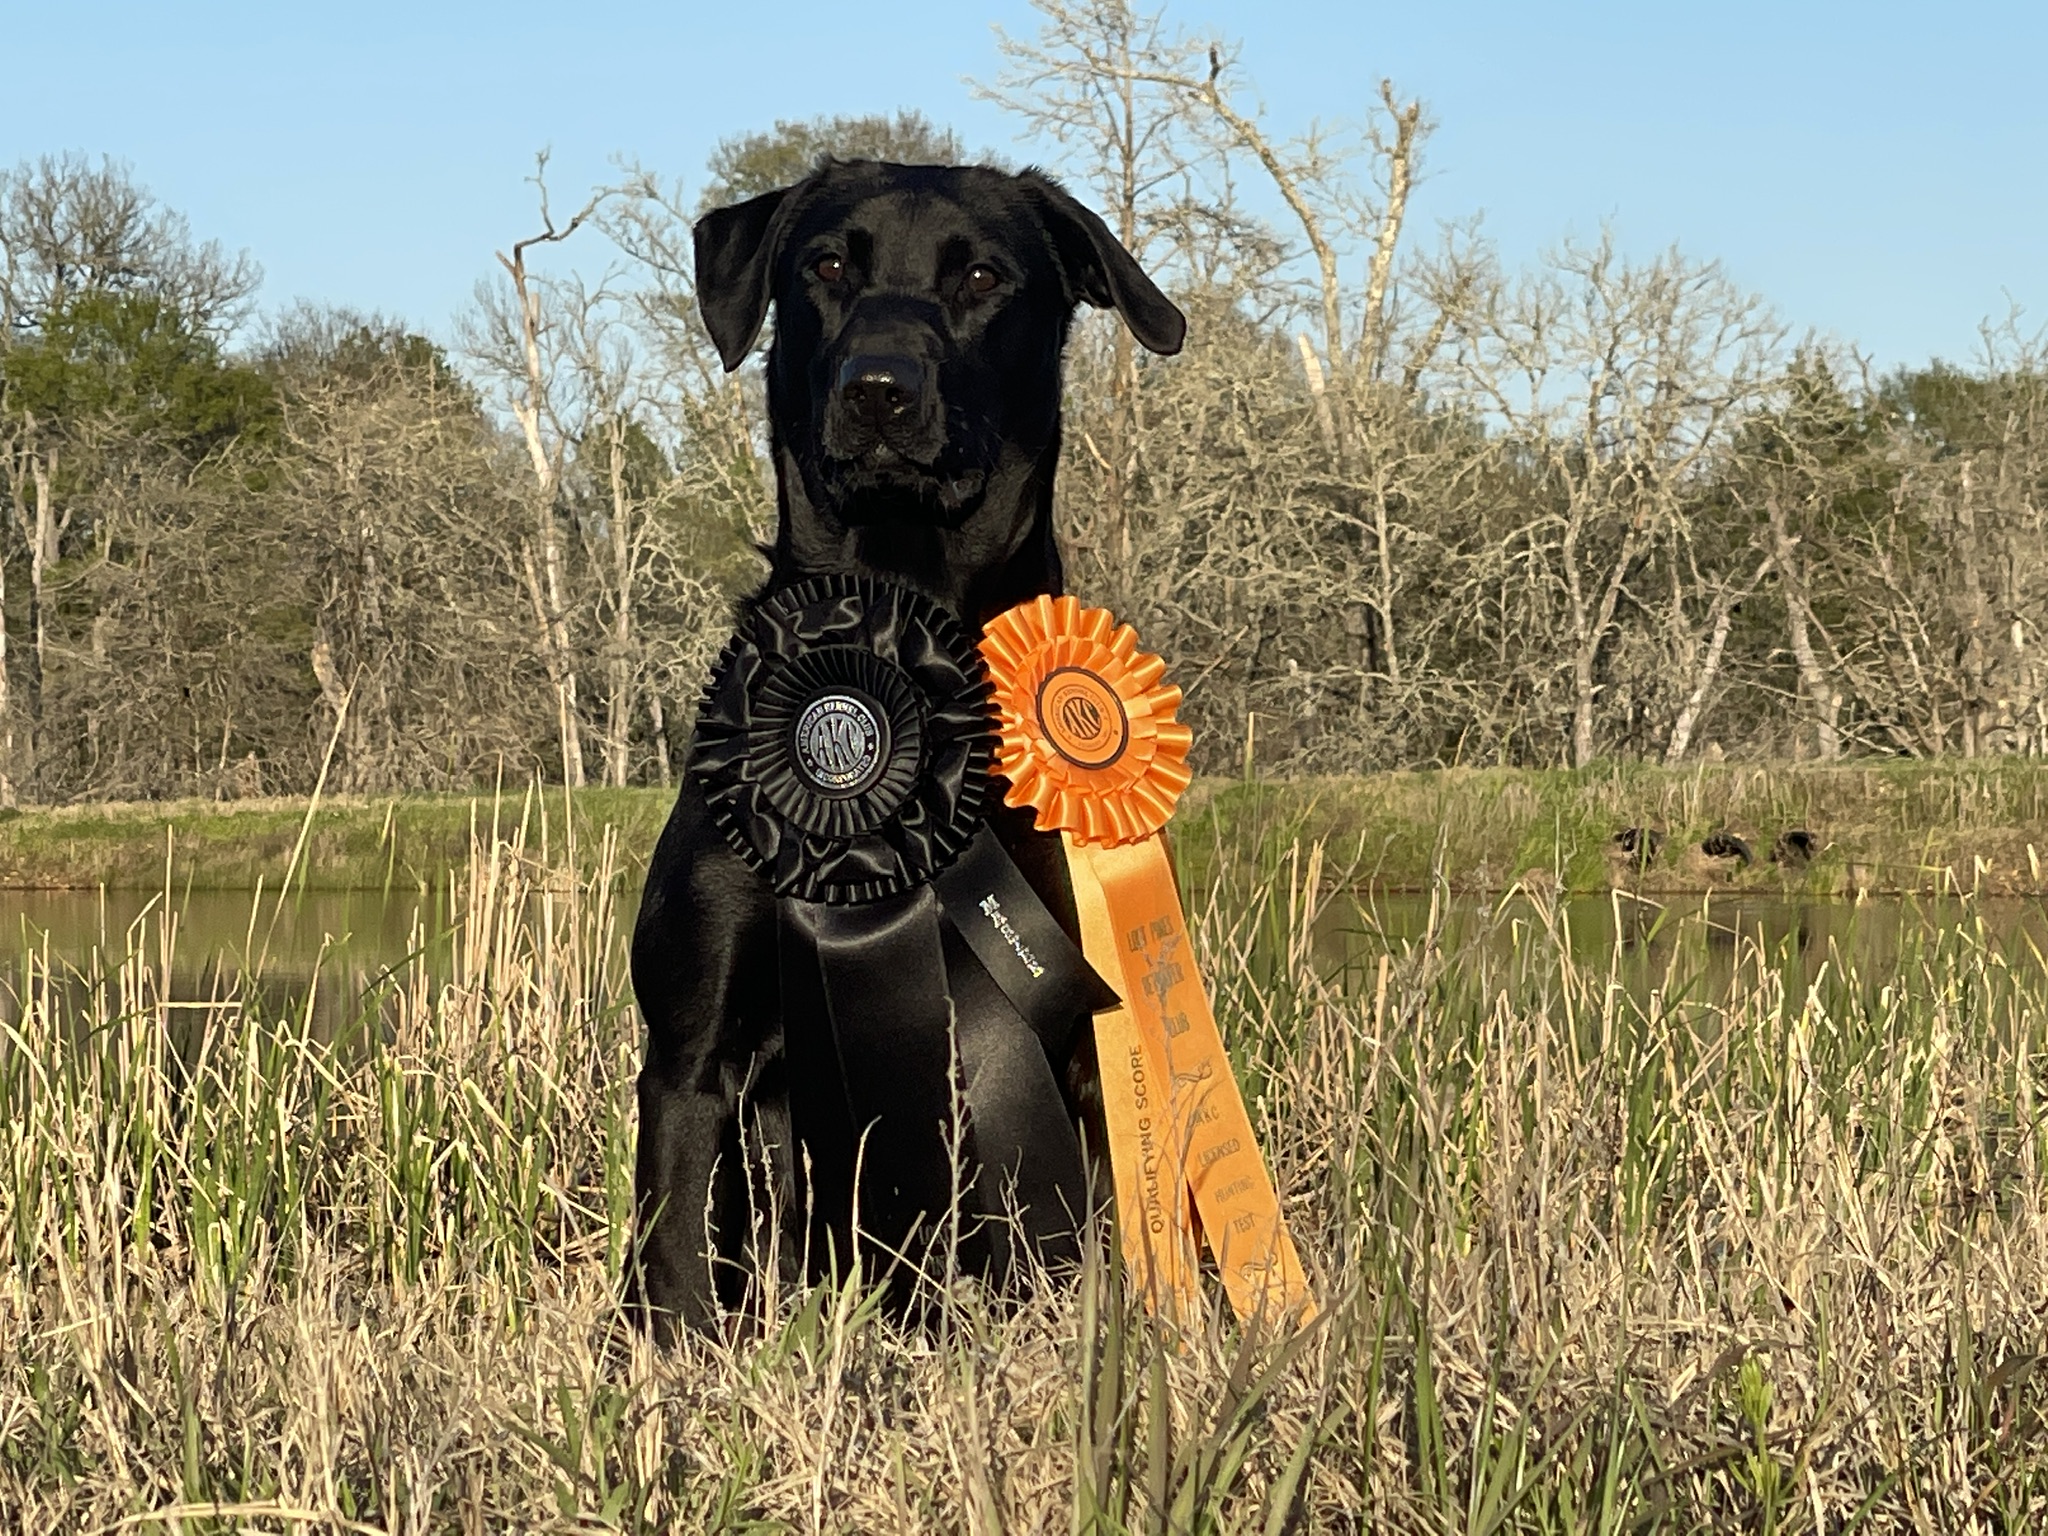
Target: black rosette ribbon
845	747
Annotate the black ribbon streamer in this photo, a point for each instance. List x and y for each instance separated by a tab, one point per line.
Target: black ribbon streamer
844	746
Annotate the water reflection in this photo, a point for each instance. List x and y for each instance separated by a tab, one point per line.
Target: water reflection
1699	938
330	952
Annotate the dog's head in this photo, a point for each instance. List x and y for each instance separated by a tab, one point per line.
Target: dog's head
920	316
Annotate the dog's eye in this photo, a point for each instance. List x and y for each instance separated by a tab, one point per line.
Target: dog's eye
982	279
830	268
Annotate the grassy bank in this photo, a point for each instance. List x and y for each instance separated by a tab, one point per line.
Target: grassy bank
1767	1255
1879	828
1890	827
346	843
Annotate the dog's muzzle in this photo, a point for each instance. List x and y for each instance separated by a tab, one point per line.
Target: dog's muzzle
883	413
887	455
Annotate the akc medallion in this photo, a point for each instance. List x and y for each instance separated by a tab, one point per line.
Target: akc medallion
841	743
1082	717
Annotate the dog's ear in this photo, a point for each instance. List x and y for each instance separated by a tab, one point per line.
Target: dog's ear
1102	272
736	250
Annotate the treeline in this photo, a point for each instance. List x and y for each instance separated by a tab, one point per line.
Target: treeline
1394	505
244	556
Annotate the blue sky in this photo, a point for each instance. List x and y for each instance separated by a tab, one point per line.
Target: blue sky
1877	171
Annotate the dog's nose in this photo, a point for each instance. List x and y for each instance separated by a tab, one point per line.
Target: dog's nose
881	390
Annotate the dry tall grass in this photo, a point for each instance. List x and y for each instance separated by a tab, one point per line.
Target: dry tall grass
1597	1255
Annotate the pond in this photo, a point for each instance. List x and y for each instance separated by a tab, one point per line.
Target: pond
330	950
326	949
1644	938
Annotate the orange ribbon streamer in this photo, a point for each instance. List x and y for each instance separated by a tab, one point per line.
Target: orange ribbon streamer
1090	742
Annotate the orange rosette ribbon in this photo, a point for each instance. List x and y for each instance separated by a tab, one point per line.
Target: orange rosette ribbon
1089	741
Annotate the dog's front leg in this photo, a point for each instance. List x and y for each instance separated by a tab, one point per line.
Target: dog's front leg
692	1214
704	975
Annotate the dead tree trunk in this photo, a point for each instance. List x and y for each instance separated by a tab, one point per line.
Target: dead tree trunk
1721	619
531	408
1590	630
1820	700
17	487
619	706
1973	615
1400	178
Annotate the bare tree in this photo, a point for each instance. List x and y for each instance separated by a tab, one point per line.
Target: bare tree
70	227
407	524
1313	179
1805	456
513	335
1934	580
1154	122
1615	385
1093	82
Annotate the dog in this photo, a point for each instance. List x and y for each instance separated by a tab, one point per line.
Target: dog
913	387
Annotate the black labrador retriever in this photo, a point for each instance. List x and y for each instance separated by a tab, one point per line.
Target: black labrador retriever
914	416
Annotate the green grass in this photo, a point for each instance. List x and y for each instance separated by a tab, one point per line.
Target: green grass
1594	1253
1888	827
